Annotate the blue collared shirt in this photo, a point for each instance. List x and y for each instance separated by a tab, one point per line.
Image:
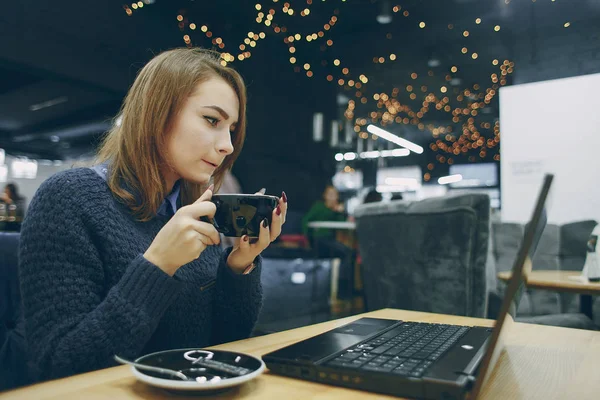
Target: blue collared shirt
169	205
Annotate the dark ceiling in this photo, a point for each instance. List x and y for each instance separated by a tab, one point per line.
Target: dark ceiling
65	65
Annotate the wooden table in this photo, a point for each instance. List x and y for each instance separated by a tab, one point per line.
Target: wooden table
344	230
348	225
540	362
562	281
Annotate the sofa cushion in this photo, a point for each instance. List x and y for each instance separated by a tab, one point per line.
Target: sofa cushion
428	255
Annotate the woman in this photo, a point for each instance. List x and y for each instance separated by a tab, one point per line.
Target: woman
11	194
324	241
15	207
115	259
327	209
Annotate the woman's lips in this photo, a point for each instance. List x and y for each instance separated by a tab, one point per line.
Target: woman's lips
210	164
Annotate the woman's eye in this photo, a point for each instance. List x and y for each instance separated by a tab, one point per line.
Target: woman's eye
211	120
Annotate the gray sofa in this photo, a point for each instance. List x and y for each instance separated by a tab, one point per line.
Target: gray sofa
562	247
429	255
442	255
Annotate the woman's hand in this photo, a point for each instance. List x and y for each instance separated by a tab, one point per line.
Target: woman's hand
244	252
5	198
335	206
184	237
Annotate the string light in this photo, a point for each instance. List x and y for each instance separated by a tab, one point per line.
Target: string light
389	109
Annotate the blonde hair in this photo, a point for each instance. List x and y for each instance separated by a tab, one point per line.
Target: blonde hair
136	148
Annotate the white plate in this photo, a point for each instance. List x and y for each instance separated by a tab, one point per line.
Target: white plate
182	359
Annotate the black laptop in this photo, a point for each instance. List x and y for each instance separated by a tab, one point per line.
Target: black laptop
409	358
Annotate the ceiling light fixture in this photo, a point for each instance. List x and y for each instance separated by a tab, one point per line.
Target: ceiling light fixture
395	139
444	180
48	103
385	14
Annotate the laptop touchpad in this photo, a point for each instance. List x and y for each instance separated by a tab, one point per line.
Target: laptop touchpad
357	329
329	343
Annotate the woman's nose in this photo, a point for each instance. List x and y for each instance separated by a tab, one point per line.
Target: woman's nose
224	145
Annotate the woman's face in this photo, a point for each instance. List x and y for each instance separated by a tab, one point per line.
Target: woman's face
200	137
331	195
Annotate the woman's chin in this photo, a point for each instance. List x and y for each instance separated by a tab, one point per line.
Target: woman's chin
199	179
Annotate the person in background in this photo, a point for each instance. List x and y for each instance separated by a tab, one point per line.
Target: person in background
373	197
115	259
328	209
15	207
324	241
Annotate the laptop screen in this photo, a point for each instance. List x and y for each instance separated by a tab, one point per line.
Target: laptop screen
537	235
521	268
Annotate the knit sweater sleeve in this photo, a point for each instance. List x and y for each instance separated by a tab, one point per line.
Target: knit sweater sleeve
74	322
238	300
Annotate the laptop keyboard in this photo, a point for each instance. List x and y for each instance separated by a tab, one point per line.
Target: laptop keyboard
407	350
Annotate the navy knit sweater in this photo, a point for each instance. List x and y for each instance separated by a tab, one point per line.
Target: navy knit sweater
88	293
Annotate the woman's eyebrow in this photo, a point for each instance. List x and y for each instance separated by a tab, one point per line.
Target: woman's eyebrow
219	110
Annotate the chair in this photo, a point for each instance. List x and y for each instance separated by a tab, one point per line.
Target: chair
573	250
13	366
429	255
561	247
295	293
292	243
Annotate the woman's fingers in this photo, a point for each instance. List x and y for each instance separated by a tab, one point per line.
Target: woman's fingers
244	243
264	237
283	204
202	207
199	209
204	242
206	230
207	195
276	223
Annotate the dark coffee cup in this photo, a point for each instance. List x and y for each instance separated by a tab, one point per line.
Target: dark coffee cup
241	214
